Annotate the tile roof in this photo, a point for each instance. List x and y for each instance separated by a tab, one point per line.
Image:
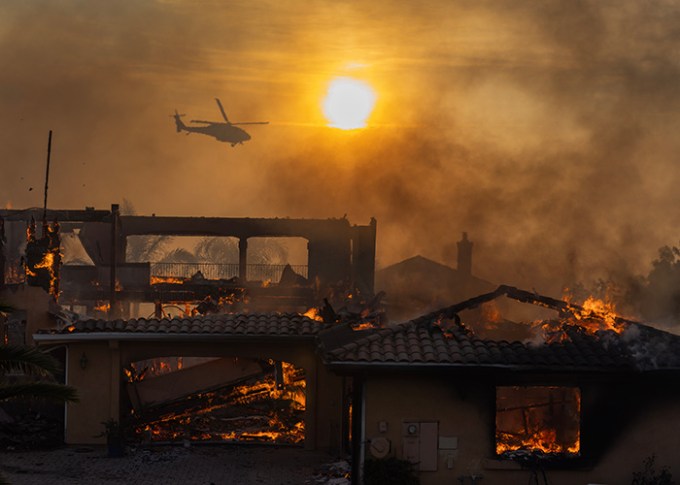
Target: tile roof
253	324
424	341
419	343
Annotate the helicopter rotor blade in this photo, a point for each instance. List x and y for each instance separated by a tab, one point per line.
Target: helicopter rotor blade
222	110
251	123
208	122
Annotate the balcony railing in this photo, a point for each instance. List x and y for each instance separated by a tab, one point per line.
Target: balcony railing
213	271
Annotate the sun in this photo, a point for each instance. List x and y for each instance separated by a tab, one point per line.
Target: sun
348	103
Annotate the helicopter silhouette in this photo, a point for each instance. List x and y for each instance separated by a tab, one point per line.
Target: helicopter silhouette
223	131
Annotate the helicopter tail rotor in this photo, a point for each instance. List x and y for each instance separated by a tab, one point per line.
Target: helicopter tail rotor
179	124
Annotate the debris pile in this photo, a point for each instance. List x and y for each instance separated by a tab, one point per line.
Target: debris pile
264	409
336	473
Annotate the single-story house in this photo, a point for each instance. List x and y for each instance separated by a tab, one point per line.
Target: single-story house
585	401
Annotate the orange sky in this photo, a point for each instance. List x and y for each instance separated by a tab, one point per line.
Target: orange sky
546	130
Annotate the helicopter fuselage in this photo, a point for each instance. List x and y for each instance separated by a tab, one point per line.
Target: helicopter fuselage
221	131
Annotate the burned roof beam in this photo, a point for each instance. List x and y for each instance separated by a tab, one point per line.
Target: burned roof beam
523	296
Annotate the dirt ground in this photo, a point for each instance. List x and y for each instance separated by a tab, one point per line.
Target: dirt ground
166	465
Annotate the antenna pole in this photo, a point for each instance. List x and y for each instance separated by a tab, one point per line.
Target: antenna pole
47	175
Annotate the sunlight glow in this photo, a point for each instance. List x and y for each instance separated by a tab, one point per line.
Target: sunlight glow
348	103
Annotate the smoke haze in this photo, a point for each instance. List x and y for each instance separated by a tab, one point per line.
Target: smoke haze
546	130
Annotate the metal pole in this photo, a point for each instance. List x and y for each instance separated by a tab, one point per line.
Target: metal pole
47	178
113	309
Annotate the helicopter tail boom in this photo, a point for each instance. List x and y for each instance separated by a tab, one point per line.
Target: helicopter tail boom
179	124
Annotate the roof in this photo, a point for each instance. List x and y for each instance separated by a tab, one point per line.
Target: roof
440	340
435	273
265	325
419	284
420	343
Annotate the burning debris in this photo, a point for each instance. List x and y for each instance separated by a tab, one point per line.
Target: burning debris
43	257
594	317
538	419
266	408
357	312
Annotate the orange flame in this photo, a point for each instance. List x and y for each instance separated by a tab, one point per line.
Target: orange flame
155	280
195	423
313	313
103	307
527	420
363	326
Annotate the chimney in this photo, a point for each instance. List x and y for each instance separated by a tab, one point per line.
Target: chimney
465	255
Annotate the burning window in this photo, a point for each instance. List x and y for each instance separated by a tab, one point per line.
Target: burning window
544	419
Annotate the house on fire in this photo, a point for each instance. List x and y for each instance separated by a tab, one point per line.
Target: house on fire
583	397
231	348
585	401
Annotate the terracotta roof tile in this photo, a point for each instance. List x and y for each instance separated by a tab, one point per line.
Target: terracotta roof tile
422	342
270	325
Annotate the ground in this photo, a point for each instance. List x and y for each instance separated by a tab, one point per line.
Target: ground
201	465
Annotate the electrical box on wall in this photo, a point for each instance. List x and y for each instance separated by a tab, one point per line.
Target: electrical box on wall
420	443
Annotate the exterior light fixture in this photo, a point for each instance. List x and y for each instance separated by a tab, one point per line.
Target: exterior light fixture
83	361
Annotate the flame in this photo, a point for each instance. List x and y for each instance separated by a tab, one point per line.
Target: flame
313	313
538	419
155	280
103	307
50	262
595	315
283	424
363	326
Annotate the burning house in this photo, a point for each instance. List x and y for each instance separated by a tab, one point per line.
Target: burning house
238	364
340	258
262	362
583	397
459	392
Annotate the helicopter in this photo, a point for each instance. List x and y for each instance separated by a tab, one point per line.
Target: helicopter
223	131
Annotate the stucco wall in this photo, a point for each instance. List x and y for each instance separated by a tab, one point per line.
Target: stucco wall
35	301
98	388
465	410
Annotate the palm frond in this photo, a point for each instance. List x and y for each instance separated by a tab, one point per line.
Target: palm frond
28	360
40	390
179	255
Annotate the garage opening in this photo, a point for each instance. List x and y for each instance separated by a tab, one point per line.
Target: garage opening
199	399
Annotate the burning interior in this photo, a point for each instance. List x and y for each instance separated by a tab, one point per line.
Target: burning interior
122	264
241	400
538	419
